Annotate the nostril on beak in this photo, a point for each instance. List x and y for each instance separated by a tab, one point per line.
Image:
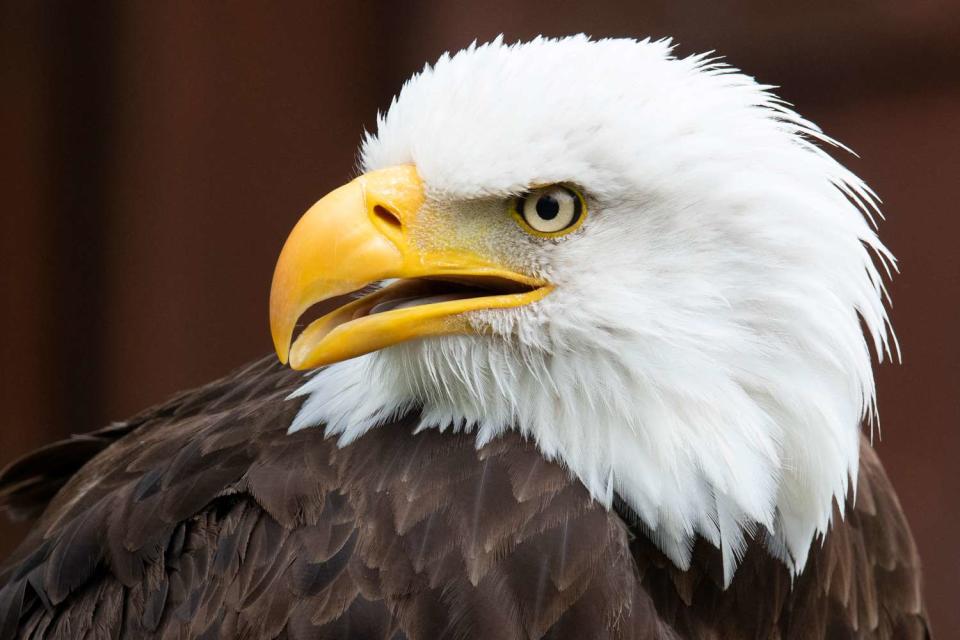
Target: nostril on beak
387	217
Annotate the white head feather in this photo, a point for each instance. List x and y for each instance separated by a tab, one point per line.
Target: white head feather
702	356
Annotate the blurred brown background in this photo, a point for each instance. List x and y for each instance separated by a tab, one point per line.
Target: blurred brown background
154	157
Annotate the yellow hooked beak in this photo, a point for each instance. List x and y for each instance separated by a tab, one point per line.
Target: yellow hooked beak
358	235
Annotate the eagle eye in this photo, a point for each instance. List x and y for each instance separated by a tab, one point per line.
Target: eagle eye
550	211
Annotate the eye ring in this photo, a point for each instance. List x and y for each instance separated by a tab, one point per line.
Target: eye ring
550	211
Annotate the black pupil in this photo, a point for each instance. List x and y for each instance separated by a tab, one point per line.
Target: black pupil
547	207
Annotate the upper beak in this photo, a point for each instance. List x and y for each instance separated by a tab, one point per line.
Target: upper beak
358	235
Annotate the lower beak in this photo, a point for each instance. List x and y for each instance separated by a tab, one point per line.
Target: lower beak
357	236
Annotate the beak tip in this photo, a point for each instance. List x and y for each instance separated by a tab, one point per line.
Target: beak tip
296	362
304	356
282	348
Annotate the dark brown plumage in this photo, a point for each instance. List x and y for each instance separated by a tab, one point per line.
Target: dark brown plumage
201	518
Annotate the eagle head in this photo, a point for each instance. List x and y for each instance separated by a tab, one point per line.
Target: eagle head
645	264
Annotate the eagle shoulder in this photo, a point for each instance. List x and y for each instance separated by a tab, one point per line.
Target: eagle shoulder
203	518
861	581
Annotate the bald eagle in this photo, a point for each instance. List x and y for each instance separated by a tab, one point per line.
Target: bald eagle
601	372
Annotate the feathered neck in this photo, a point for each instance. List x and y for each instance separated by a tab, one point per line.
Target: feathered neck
694	449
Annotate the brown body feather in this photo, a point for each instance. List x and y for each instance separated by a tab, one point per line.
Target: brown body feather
202	518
